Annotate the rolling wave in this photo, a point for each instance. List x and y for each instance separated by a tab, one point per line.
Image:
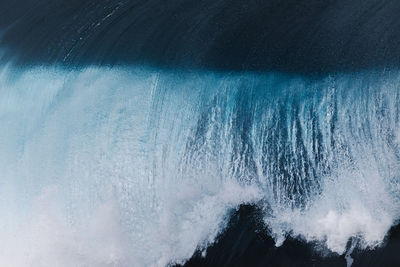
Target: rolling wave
142	166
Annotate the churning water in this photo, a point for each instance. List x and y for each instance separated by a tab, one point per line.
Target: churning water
139	166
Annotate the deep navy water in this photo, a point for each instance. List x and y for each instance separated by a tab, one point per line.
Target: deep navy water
199	133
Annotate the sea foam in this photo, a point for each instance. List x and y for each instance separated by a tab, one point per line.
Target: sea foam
142	167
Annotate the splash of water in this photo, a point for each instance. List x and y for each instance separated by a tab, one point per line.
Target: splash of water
140	166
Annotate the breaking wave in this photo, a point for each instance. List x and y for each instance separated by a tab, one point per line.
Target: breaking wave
138	166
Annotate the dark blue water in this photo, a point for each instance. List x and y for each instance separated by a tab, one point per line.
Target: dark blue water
291	36
199	133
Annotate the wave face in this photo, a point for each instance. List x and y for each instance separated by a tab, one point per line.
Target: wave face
139	166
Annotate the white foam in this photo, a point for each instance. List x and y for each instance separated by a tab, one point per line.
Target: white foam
341	212
80	172
101	167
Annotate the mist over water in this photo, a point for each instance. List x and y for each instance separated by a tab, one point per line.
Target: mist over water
138	166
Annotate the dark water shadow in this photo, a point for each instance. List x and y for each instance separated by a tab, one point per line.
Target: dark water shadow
246	243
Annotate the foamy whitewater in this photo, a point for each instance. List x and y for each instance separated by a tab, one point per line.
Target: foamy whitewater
141	166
